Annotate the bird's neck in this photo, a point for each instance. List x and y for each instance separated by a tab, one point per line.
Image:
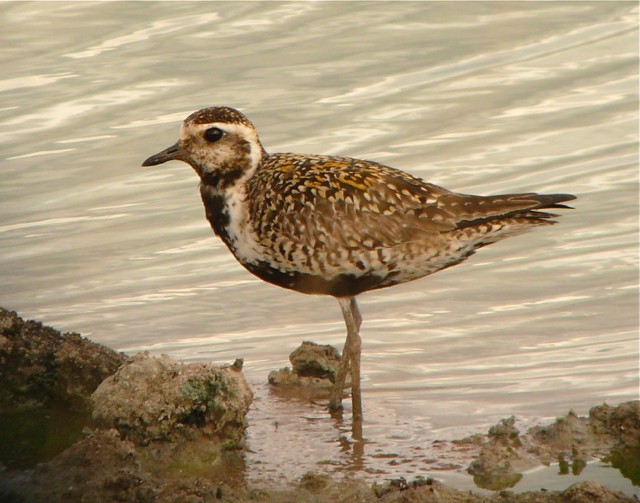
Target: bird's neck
228	213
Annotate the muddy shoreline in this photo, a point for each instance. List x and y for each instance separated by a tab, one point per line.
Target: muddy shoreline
81	422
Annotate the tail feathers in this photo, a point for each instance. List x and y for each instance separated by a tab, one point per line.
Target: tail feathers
551	200
534	214
484	209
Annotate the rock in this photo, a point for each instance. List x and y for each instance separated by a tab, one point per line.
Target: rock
500	458
314	371
428	490
423	490
166	432
568	435
151	399
592	492
315	482
315	360
104	467
621	422
570	440
287	378
170	432
46	381
40	367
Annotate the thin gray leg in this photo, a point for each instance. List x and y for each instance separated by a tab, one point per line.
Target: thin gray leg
350	358
335	399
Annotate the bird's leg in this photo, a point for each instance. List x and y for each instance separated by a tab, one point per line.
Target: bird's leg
355	318
335	400
350	312
350	357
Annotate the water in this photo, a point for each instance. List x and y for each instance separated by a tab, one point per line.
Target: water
479	97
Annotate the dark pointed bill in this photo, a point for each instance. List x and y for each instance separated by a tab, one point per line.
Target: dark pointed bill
174	152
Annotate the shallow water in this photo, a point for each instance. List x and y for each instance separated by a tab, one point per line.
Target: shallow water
479	97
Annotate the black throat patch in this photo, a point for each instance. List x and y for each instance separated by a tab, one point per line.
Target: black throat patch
222	179
216	210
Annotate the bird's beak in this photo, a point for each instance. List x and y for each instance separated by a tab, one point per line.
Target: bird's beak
174	152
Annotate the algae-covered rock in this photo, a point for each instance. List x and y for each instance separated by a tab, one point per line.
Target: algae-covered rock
156	398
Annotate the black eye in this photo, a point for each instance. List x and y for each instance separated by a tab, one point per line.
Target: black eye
213	134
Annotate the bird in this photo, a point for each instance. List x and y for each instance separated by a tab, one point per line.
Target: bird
338	226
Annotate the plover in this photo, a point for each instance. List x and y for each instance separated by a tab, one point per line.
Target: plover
336	225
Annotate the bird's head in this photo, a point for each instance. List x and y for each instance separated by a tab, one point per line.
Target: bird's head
219	143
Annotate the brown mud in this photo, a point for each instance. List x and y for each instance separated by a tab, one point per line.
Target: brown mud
149	429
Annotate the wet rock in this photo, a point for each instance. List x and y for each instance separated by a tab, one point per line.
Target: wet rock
46	381
581	492
315	360
166	432
581	438
622	423
151	399
105	467
315	482
423	490
497	467
321	488
314	369
169	432
40	367
570	441
568	437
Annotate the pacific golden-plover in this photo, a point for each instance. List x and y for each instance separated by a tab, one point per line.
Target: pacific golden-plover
335	225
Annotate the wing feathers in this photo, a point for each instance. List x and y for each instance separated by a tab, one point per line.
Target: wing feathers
359	204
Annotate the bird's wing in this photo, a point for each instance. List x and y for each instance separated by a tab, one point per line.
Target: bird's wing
342	203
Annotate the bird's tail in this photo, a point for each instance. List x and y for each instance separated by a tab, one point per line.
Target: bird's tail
522	208
488	219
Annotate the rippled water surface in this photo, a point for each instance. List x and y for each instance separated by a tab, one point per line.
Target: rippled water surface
477	97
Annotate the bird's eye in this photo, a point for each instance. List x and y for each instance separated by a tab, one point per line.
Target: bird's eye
213	134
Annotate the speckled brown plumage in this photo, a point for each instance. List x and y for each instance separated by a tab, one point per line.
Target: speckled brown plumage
341	226
335	225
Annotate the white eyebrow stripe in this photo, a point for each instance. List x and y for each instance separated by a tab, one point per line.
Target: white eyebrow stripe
242	130
238	129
